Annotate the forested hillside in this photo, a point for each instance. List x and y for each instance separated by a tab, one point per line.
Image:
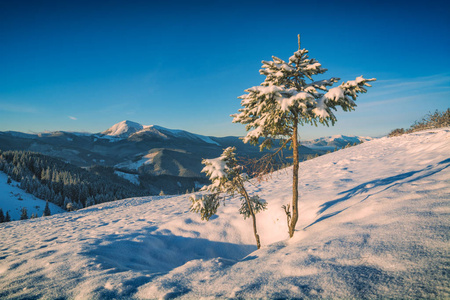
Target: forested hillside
64	184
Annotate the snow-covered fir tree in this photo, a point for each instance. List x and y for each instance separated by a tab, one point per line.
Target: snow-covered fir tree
24	214
7	217
47	211
227	179
289	97
90	201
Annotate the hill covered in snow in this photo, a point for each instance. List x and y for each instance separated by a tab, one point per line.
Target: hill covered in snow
374	223
128	129
13	199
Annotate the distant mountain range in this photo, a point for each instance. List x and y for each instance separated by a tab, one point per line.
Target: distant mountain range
335	141
135	131
132	149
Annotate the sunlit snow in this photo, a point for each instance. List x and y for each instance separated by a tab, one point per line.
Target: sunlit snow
374	223
126	129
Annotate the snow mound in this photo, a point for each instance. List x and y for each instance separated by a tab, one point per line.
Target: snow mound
374	223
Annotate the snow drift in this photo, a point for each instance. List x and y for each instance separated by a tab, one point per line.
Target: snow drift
374	223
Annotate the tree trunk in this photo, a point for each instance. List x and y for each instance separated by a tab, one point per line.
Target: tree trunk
252	213
294	217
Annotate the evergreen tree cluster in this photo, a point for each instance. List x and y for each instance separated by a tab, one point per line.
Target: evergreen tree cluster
61	183
3	217
24	213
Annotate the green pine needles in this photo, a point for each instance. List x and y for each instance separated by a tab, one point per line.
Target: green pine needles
289	97
227	180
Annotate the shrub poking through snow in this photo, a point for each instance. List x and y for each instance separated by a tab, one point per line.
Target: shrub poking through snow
430	121
396	132
289	97
227	180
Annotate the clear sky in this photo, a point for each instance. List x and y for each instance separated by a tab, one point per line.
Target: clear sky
86	65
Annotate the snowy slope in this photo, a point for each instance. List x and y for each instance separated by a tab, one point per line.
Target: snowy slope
185	134
374	223
133	178
13	199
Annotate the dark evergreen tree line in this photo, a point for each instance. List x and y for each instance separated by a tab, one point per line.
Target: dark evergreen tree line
3	217
61	183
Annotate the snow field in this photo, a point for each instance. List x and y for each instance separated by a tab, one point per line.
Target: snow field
374	223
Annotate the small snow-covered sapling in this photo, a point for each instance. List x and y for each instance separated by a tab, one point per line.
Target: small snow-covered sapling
227	180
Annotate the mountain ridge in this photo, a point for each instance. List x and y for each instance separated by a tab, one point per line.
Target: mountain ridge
335	141
126	141
139	149
124	128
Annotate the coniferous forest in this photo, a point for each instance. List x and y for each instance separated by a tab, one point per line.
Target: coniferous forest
66	185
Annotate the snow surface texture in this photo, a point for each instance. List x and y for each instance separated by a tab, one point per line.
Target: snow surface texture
12	199
374	223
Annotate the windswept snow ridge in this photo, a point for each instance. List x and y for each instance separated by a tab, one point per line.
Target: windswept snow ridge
374	223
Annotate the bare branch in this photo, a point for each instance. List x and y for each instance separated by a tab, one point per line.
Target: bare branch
260	167
288	213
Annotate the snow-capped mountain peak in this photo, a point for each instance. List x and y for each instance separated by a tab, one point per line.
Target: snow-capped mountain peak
126	129
123	129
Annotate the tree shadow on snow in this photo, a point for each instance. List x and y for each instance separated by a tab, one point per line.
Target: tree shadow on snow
158	253
387	182
151	254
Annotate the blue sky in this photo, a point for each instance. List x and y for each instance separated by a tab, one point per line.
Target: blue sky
86	65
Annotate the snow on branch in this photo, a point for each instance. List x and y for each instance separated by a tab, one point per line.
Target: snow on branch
285	100
269	109
228	179
353	87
